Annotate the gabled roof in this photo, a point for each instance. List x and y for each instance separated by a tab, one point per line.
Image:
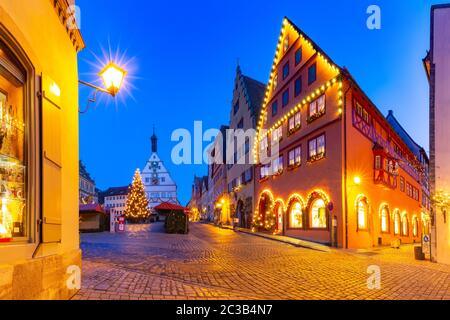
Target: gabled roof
253	91
342	71
84	173
404	135
205	182
288	24
115	191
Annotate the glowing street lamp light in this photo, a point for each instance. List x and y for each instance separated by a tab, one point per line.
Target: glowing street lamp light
113	77
357	180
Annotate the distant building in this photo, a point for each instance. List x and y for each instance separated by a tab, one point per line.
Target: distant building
205	199
159	185
88	191
217	180
199	203
437	65
93	218
115	198
248	95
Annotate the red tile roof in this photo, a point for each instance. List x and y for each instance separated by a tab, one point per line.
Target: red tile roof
169	206
91	208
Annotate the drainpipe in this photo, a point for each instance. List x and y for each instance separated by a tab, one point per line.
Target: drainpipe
40	226
344	112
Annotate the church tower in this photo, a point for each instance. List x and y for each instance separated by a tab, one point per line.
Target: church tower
154	141
159	185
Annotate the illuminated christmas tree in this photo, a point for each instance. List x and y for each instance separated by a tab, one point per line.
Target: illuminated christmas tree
137	203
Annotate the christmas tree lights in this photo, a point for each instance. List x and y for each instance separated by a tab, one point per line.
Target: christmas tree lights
137	209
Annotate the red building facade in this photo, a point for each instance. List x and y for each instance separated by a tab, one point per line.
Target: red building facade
330	167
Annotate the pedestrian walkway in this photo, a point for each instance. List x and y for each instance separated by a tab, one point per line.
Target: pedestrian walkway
280	238
216	263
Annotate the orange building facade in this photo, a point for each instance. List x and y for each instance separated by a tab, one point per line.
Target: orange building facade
330	167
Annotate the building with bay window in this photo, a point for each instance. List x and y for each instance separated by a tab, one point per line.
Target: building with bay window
437	68
39	238
331	168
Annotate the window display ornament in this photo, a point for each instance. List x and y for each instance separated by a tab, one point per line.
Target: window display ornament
112	76
6	222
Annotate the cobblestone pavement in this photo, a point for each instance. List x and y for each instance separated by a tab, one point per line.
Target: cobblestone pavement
213	263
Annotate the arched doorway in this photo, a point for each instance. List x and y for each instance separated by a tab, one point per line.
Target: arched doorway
279	214
240	214
263	219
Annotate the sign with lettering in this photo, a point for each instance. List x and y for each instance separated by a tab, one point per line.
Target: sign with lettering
426	244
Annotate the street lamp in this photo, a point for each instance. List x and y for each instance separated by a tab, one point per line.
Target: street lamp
112	76
357	180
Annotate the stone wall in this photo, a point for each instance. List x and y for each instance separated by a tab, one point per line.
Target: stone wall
38	279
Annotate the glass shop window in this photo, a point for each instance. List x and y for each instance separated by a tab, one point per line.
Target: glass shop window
13	212
296	215
318	215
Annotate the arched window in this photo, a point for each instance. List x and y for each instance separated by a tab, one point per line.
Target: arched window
318	215
362	210
396	223
295	215
405	225
384	219
415	227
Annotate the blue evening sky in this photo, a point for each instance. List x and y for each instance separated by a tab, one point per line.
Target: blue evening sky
182	60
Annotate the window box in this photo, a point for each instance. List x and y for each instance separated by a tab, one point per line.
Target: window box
315	116
295	129
316	157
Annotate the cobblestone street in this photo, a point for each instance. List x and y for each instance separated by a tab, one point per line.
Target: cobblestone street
213	263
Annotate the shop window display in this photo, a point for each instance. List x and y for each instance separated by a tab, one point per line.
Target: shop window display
12	155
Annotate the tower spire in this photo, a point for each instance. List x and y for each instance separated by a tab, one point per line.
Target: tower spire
154	141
